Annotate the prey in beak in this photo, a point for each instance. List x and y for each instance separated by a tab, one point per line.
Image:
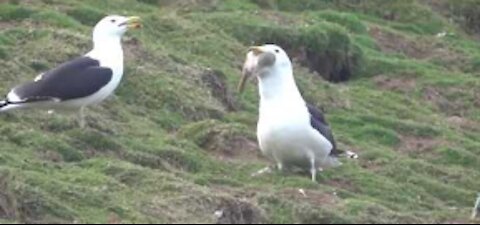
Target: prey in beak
133	22
249	66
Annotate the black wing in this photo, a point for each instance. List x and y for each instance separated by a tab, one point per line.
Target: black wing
78	78
318	122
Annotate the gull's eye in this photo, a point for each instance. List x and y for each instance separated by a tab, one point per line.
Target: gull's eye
277	51
113	21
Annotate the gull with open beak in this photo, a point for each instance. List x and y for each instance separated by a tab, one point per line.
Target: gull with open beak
290	131
80	82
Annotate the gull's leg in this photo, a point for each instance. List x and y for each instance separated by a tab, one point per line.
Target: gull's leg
279	162
280	166
313	169
268	169
81	119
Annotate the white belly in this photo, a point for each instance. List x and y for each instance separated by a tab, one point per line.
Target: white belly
291	140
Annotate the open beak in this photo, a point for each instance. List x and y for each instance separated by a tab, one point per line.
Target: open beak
249	66
133	22
256	50
245	75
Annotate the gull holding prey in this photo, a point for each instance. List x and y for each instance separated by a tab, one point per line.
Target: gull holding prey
290	131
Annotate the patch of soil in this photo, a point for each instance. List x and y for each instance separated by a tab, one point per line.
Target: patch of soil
463	123
419	49
200	207
8	206
448	58
5	211
342	184
423	48
7	25
454	106
50	156
232	211
413	144
394	43
233	147
135	51
186	5
372	165
437	98
276	17
404	85
113	218
216	81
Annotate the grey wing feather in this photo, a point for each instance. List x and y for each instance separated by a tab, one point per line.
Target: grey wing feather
318	122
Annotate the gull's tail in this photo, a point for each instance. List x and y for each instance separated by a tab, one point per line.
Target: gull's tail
3	105
333	160
350	155
344	154
6	105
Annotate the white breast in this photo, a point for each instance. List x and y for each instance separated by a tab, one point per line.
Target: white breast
285	133
114	61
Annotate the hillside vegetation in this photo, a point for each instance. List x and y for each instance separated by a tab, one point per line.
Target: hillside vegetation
398	81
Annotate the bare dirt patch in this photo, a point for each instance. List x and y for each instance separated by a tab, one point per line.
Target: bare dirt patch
134	50
423	48
239	212
414	144
400	84
433	95
277	17
205	208
233	147
7	25
342	184
395	43
450	101
463	123
50	156
8	208
215	81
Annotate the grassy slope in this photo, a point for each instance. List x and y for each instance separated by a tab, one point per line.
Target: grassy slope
169	148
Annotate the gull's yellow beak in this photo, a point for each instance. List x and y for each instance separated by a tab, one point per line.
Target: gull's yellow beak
133	22
249	66
257	50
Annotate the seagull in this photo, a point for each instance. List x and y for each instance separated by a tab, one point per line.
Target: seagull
290	131
82	81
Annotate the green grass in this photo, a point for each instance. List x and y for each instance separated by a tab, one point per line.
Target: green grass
177	143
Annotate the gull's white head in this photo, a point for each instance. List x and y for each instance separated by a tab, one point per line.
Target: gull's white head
263	59
114	27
